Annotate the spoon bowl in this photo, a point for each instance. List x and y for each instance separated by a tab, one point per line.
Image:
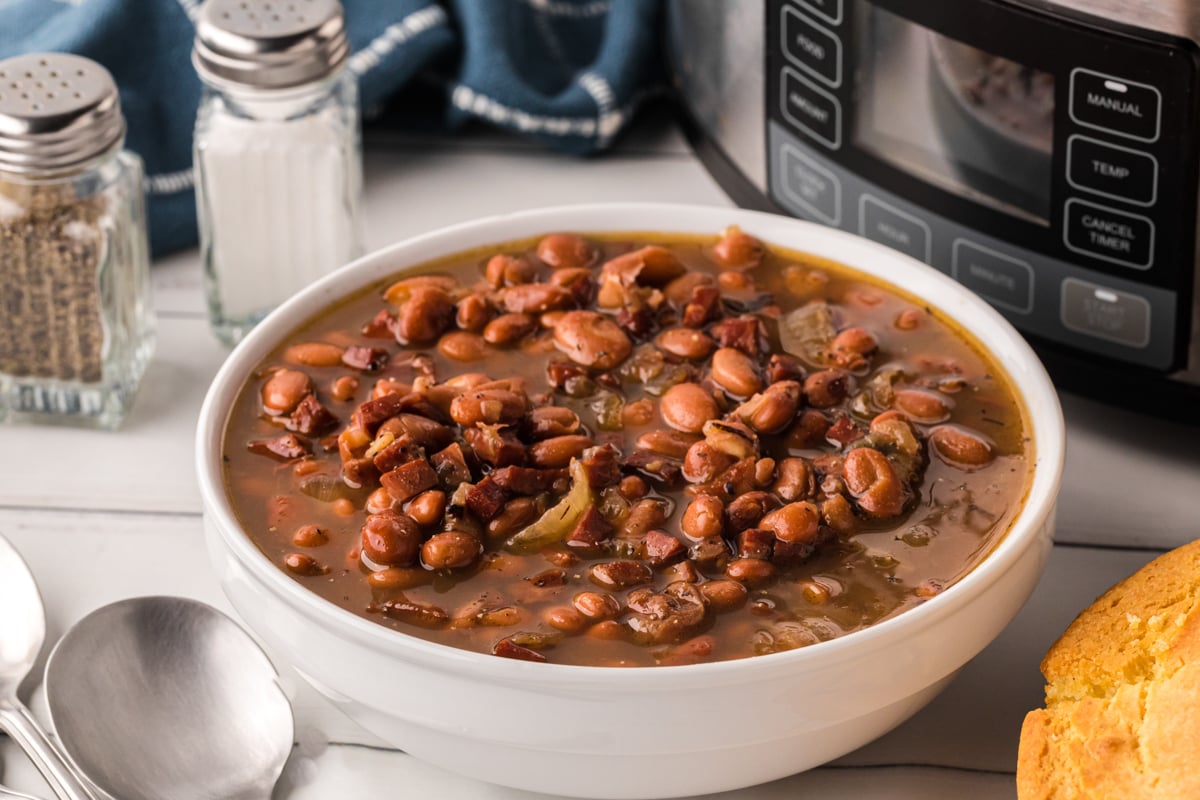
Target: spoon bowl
158	697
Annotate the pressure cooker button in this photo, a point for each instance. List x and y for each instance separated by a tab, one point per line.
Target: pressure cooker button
1112	171
811	47
829	10
811	109
1109	235
1105	313
1115	104
900	231
999	278
811	188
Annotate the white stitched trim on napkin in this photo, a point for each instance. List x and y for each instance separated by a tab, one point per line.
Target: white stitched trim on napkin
396	35
611	120
169	182
597	9
483	106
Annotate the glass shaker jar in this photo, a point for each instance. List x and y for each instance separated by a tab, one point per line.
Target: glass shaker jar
277	154
76	326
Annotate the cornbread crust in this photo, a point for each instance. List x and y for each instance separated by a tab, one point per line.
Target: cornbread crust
1122	716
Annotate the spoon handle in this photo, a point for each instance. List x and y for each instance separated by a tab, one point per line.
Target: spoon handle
19	724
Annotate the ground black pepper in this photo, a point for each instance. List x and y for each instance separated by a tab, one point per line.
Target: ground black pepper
51	248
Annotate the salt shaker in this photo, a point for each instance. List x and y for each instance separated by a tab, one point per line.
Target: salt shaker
76	326
277	153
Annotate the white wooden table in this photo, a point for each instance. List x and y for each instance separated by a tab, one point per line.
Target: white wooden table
102	516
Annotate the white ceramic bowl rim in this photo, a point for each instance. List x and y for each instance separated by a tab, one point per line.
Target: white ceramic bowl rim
1027	376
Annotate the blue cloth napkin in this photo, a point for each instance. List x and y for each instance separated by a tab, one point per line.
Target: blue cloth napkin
569	73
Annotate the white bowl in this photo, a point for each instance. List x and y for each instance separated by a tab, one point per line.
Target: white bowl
644	732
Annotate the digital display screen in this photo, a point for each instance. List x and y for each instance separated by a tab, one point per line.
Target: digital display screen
971	122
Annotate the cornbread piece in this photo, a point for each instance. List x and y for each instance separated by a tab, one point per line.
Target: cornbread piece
1122	716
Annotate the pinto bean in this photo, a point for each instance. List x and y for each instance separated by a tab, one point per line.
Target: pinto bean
284	390
427	508
550	319
508	328
472	312
427	433
314	354
679	290
703	518
687	406
723	595
638	413
734	372
462	346
645	515
668	616
633	487
750	571
516	514
508	270
450	550
827	388
309	536
596	606
534	298
773	409
303	564
673	444
559	450
908	320
852	347
390	538
344	388
764	471
738	250
732	438
402	290
621	574
872	481
703	462
428	312
651	266
745	511
923	406
564	250
488	407
838	514
592	339
795	523
565	619
686	343
733	281
397	578
550	421
379	500
961	447
793	480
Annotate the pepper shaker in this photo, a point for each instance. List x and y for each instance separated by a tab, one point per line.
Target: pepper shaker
277	153
76	325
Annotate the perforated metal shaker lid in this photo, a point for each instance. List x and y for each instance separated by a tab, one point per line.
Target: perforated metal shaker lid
269	44
57	112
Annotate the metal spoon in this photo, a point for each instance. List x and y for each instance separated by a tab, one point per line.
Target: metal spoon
159	697
22	633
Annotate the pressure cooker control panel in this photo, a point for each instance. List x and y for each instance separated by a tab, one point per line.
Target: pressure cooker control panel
1047	163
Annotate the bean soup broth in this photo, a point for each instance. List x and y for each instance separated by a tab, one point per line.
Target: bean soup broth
628	450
